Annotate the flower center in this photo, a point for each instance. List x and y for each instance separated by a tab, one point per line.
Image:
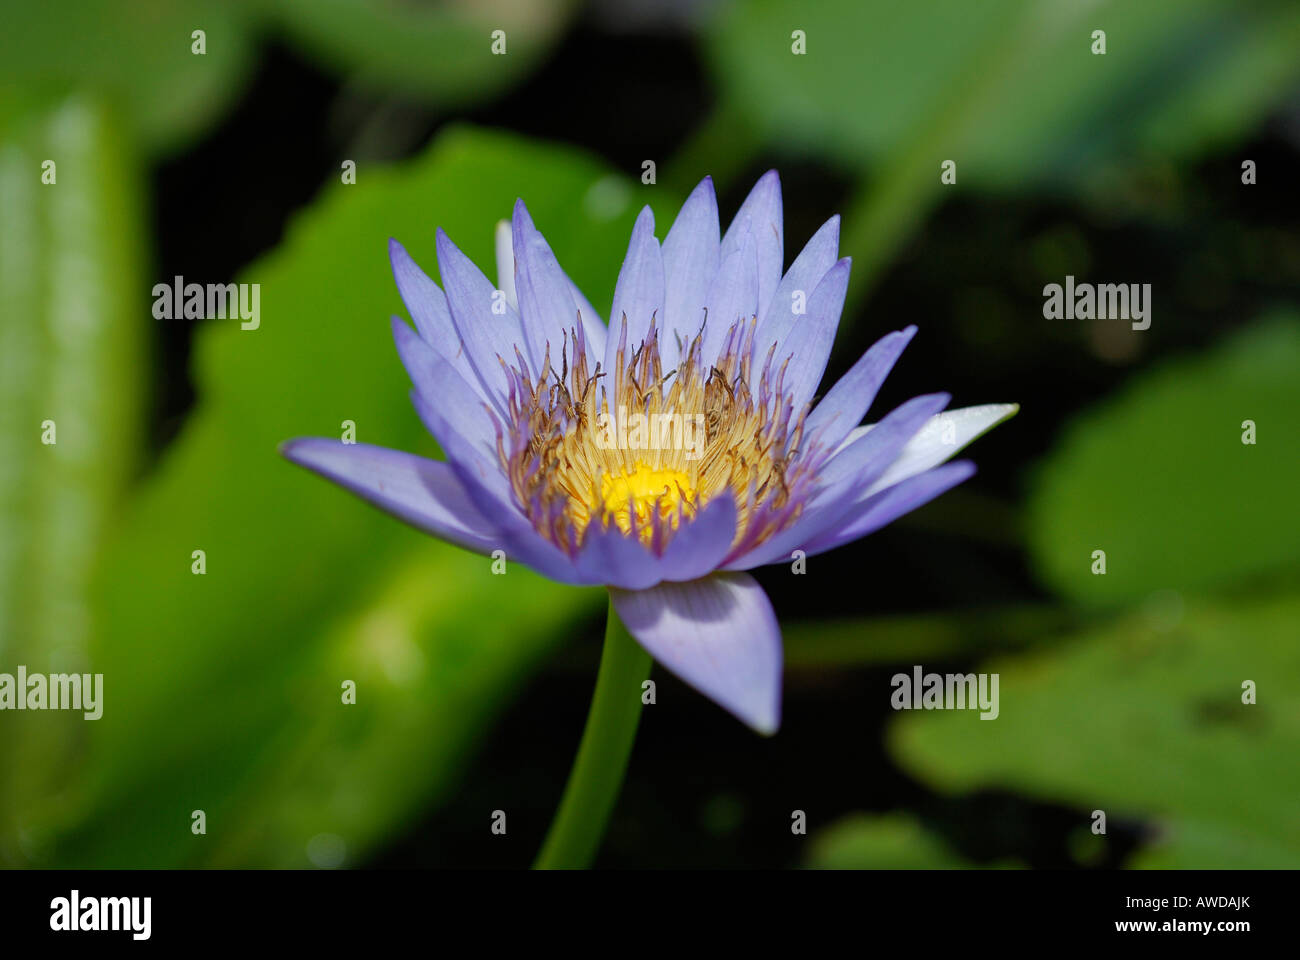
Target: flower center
641	494
641	450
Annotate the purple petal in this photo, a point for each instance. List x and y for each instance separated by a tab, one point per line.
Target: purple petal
808	346
847	402
426	367
826	509
843	481
719	635
763	208
487	487
942	436
428	307
733	295
460	434
867	457
545	293
639	294
617	559
701	544
488	338
425	301
888	505
424	493
691	255
777	317
593	328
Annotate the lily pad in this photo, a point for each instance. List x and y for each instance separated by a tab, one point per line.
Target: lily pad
1146	718
1161	479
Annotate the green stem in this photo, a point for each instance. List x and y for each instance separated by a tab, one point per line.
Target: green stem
597	774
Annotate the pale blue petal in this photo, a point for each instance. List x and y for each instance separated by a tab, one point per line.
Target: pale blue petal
733	296
639	294
545	293
691	258
808	345
489	338
719	635
882	508
846	403
941	438
763	209
777	317
701	544
424	493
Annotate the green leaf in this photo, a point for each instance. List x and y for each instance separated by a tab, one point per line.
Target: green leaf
1010	89
1007	89
138	55
224	689
1144	718
1158	476
442	53
72	335
892	841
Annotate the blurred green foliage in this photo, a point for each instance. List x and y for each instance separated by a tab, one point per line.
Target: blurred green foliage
73	356
1143	717
171	84
894	841
442	53
1159	477
1008	89
138	55
1011	87
1146	707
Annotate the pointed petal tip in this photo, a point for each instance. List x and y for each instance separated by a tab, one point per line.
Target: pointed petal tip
295	448
720	635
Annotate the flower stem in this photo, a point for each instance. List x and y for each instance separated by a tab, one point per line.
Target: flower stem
597	774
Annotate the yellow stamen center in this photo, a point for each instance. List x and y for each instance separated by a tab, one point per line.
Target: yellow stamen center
642	492
644	450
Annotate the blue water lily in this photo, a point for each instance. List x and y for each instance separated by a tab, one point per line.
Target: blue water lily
667	454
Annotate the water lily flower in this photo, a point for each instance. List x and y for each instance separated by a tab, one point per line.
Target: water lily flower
542	411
